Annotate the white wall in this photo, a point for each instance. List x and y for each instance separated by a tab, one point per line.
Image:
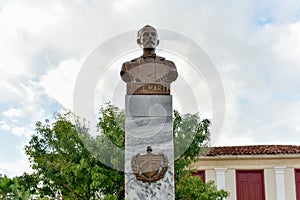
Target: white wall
255	162
290	188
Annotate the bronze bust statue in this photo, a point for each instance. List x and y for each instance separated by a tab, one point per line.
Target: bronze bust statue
148	74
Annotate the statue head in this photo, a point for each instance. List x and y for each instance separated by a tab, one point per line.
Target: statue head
149	149
147	37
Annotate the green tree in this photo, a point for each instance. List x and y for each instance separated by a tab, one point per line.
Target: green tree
192	187
6	188
21	187
68	161
63	165
191	137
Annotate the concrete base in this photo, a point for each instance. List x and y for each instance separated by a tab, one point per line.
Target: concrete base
148	122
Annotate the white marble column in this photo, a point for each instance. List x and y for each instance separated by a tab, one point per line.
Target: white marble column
220	177
280	186
148	122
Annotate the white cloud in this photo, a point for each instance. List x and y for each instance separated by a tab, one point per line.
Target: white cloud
288	45
12	89
30	18
22	131
59	82
260	76
250	57
13	113
255	46
17	168
234	140
125	6
4	126
19	23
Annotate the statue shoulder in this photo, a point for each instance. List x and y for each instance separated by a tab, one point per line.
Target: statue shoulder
132	63
164	61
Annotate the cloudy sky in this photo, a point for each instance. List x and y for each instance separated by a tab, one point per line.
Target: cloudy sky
254	45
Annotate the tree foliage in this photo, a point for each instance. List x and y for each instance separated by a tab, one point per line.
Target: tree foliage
65	167
192	187
6	188
191	137
14	188
69	162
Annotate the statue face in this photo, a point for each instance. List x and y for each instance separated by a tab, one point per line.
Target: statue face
148	38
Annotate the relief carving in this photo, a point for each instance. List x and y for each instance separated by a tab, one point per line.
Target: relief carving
149	168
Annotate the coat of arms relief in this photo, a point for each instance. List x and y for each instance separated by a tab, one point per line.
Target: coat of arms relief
149	168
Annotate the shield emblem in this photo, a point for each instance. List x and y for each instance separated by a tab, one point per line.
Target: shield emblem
149	164
149	167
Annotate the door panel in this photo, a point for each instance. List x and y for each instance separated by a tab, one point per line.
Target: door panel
250	185
297	179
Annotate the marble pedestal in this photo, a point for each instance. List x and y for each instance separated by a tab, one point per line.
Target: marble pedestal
148	122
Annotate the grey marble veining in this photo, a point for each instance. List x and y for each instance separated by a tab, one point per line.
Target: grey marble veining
160	190
155	130
150	128
148	105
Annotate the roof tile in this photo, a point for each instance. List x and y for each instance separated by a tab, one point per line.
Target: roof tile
253	150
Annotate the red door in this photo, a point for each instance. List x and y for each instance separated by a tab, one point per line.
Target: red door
250	185
297	179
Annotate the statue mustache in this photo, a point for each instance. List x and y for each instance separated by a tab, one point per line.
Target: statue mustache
150	41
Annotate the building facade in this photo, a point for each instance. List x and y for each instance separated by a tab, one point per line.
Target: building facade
261	172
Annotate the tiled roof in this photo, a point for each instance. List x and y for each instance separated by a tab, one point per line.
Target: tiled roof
253	150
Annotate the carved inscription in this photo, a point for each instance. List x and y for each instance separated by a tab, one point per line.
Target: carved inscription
148	88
